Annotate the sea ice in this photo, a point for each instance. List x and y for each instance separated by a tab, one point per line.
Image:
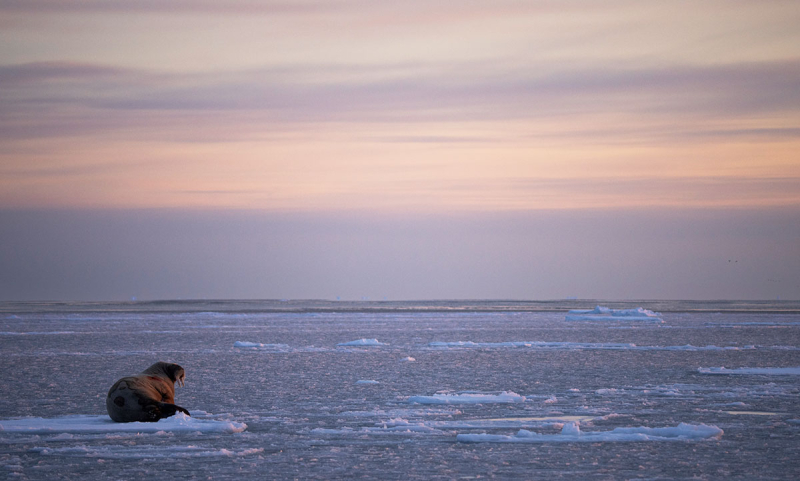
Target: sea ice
468	398
601	313
571	433
408	359
367	381
363	342
768	371
178	423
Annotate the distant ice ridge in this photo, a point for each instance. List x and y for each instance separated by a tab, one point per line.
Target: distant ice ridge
588	345
769	371
179	423
571	433
39	333
468	398
601	313
363	342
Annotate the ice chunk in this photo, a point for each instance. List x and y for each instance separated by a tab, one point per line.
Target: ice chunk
601	313
468	398
768	371
103	424
367	381
363	342
571	433
571	429
408	359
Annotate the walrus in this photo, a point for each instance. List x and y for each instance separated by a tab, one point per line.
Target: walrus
146	397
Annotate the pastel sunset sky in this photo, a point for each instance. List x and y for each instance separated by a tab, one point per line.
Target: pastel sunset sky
417	149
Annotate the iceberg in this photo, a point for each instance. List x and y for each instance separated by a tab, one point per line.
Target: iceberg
571	433
77	424
601	313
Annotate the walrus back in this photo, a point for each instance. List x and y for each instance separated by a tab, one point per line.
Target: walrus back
141	398
125	404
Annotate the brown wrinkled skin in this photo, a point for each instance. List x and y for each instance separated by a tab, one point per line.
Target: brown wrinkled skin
146	397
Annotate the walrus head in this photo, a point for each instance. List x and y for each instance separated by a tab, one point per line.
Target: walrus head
174	372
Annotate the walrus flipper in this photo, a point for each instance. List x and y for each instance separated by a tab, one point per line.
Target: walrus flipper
166	410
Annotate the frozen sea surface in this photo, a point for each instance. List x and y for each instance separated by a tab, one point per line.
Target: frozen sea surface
326	390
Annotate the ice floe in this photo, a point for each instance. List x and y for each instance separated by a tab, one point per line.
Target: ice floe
392	426
363	342
468	398
571	432
367	381
510	422
768	371
394	413
408	359
180	423
601	313
258	345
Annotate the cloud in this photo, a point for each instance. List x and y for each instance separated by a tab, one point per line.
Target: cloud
405	93
241	7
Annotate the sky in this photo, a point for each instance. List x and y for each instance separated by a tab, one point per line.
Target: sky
399	150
